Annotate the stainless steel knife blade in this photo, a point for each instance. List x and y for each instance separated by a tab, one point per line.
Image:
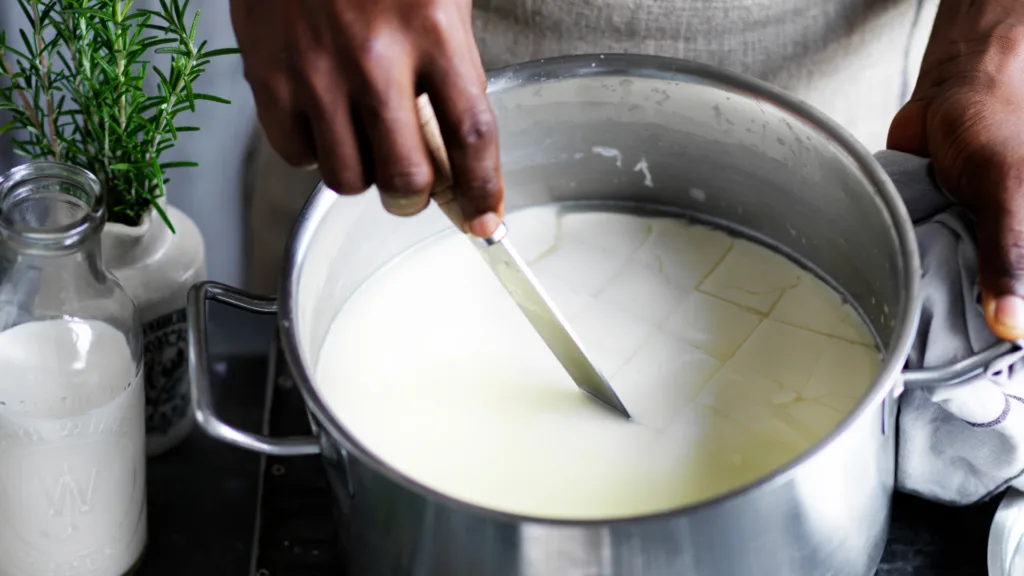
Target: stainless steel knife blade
514	274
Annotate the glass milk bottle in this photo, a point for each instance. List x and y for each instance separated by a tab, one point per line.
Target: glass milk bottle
72	407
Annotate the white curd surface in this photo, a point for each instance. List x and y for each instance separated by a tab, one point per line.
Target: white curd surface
732	360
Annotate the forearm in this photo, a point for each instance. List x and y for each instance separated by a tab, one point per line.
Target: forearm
977	15
976	37
975	23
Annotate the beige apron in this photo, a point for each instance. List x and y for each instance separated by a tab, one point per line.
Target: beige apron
853	59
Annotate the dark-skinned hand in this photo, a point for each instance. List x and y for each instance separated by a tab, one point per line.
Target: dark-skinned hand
335	84
967	114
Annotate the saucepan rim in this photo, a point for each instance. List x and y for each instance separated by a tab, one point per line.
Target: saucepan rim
653	67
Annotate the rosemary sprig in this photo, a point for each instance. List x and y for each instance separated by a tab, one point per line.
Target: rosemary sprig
75	89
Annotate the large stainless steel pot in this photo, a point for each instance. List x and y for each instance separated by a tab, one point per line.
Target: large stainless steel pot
718	146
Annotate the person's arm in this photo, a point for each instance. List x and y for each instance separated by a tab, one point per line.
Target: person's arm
967	114
335	83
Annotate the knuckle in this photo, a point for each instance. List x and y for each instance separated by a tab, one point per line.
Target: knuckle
344	181
483	187
377	104
313	76
437	22
253	74
376	75
476	126
288	145
374	50
261	73
294	158
408	180
270	92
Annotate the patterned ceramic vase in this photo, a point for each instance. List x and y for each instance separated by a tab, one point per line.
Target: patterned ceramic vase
156	268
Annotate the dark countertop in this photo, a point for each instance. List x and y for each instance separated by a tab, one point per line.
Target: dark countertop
216	510
203	494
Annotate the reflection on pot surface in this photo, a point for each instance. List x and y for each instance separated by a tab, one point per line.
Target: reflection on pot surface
732	360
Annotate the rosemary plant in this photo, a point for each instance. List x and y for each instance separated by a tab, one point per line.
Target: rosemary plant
76	92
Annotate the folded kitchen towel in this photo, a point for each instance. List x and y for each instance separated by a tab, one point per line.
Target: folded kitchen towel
956	444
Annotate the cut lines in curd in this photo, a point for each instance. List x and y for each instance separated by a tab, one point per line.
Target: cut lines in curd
731	359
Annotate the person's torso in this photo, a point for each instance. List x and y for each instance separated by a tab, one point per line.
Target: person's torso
847	57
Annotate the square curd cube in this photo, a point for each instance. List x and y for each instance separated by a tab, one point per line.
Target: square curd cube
813	419
715	326
811	305
566	300
640	292
751	276
852	328
612	232
733	389
781	353
748	400
608	336
580	267
845	369
662	378
683	253
533	232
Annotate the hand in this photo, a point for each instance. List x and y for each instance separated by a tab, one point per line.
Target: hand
967	113
335	83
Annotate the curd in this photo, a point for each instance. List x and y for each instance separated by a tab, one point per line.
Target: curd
731	359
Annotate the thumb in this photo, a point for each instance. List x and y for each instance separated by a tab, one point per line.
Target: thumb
1000	226
908	131
1001	266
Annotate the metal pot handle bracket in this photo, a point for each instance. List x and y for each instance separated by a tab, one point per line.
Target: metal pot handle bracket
960	372
199	372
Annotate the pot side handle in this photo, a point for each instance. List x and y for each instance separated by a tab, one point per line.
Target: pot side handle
199	372
958	372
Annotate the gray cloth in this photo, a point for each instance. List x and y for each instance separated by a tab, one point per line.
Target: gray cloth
963	443
853	59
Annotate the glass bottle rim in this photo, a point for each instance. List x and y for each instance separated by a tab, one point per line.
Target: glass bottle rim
65	235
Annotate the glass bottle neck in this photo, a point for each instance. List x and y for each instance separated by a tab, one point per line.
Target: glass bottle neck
51	209
85	255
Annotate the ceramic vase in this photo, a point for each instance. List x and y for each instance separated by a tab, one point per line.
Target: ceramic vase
156	268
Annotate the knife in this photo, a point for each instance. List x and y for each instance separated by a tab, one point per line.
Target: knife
513	273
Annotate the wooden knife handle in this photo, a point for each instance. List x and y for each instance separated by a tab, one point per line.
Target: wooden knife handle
442	192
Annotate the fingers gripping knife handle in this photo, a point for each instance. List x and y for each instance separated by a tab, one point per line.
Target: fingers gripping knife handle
443	180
